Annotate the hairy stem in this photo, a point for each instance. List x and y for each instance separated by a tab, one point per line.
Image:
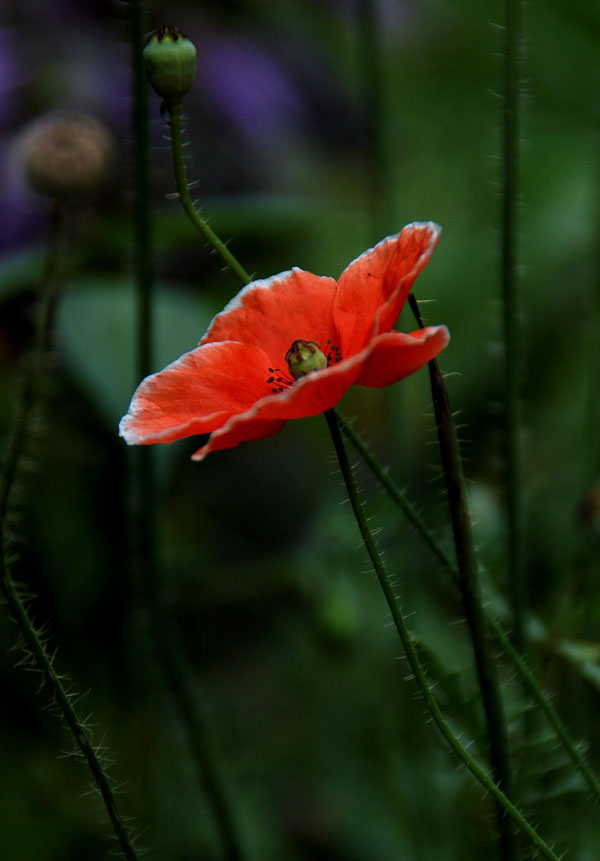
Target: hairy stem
33	644
47	291
413	659
228	257
510	314
187	202
519	664
379	173
145	515
471	592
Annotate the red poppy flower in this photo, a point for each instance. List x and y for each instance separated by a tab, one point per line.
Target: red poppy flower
289	347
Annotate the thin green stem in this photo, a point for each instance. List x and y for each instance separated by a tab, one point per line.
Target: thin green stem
187	203
413	659
379	173
471	591
510	314
551	714
435	546
397	495
145	516
33	644
238	269
443	557
47	291
143	202
36	653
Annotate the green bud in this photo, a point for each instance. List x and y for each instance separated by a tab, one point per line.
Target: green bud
303	357
170	61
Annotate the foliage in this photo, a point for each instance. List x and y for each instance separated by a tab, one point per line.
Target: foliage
325	750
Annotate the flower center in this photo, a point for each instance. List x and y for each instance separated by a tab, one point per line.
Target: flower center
304	357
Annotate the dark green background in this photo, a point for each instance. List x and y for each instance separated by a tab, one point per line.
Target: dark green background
329	753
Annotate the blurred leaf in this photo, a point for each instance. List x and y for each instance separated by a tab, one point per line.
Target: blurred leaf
94	329
585	656
21	269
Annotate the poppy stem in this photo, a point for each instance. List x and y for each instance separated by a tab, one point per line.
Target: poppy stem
144	515
518	662
411	654
186	201
379	173
35	653
510	315
471	590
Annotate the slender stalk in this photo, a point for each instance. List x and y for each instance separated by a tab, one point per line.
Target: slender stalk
379	173
63	698
443	557
510	314
398	496
32	641
245	278
551	714
143	203
413	659
145	516
47	291
471	592
187	203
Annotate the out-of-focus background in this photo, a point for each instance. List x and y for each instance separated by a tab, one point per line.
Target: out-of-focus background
300	160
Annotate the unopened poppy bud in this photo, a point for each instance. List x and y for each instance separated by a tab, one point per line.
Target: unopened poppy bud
170	61
303	357
67	154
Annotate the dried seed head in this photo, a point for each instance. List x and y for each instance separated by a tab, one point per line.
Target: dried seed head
67	154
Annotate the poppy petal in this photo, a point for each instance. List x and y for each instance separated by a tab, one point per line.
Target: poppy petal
388	358
396	355
247	431
373	288
308	396
197	393
276	312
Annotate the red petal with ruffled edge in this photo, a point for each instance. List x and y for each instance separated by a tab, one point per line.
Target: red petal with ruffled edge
373	288
396	355
277	311
388	358
197	393
226	385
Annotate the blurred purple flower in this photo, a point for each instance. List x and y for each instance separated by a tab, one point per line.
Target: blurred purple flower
250	88
10	77
21	216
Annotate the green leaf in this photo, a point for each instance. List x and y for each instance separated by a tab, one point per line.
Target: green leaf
95	330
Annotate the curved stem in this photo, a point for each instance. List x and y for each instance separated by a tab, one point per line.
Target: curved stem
471	591
33	644
187	203
237	268
411	654
145	516
421	527
36	653
443	557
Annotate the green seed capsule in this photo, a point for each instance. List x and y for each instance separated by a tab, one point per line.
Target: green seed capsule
304	357
170	61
